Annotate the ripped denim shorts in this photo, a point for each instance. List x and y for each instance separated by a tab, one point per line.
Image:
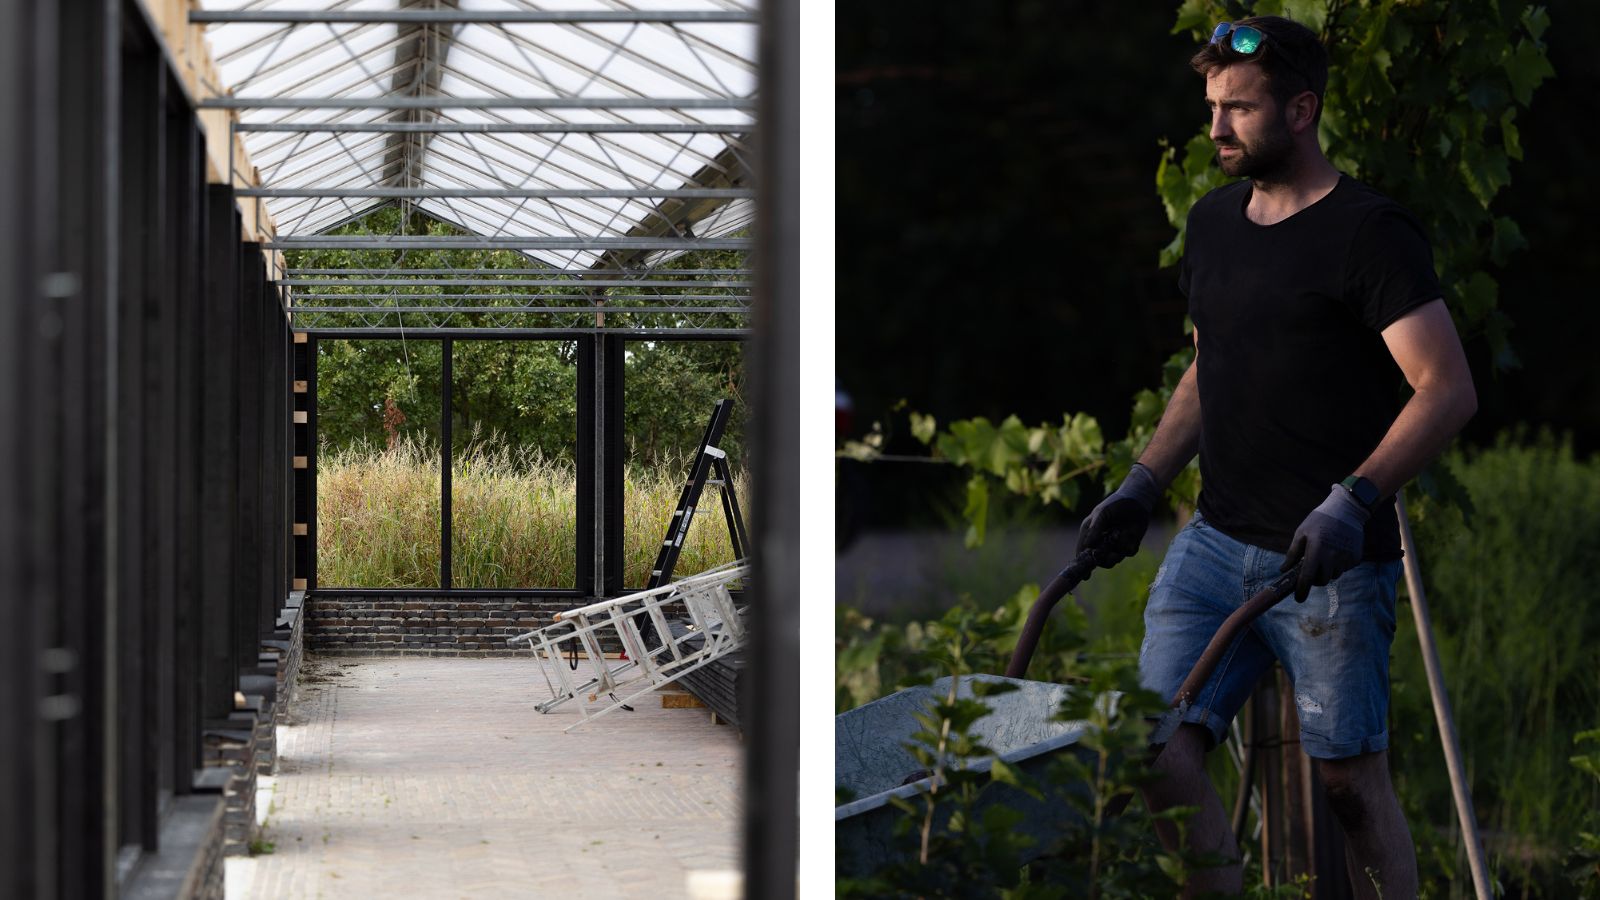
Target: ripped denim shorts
1334	646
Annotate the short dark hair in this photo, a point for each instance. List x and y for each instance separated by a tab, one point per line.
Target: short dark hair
1292	57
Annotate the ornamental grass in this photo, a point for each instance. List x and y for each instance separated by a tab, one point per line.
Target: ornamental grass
514	523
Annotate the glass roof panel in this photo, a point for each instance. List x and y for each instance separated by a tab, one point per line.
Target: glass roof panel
410	65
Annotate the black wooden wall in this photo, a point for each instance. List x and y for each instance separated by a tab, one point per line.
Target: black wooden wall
144	451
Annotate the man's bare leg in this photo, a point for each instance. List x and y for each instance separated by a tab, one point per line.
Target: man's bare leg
1186	784
1377	838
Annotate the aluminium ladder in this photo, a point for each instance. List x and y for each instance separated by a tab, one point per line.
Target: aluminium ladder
713	617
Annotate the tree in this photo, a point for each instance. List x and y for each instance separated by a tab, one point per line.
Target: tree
522	393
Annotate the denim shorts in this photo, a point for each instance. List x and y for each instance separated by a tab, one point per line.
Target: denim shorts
1334	646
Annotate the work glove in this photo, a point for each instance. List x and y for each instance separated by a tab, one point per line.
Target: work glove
1328	542
1113	529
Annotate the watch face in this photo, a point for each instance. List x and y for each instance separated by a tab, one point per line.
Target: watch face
1365	492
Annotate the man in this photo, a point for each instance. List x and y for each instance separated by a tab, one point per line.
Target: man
1311	295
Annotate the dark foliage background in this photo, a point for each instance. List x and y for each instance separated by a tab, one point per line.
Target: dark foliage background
999	228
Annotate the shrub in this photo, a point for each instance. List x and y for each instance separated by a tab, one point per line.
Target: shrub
1511	595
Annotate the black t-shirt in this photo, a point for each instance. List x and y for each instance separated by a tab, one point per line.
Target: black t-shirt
1297	387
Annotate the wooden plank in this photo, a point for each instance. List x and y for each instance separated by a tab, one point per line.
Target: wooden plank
299	462
300	417
300	529
300	337
680	701
299	386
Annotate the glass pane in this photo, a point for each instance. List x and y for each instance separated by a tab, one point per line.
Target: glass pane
378	420
670	390
514	494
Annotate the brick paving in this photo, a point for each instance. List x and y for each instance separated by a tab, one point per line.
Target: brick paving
432	777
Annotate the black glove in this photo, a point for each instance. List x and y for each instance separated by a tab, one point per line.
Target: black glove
1328	542
1113	529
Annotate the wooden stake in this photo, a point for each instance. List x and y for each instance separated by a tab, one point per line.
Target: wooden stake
1441	706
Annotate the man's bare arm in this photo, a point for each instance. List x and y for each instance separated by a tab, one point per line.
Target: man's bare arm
1427	349
1177	437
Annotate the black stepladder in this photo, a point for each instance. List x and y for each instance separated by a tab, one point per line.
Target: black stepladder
710	460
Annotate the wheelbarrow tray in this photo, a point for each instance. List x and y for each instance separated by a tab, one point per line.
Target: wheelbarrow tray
872	763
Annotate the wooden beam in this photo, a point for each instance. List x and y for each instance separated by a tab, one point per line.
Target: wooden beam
185	44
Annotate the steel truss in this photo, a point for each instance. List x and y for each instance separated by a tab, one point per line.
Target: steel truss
599	153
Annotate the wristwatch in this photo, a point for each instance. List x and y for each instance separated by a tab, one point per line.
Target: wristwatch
1364	491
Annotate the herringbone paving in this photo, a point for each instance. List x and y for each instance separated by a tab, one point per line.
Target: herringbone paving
435	777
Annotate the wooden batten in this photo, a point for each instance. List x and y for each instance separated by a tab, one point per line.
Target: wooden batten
185	45
300	529
300	417
299	386
299	462
300	337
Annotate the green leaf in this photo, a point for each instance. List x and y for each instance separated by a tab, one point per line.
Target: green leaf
1526	68
1477	296
1004	774
923	427
1147	409
991	688
1536	19
1081	438
976	511
1194	16
1311	13
1509	135
1508	239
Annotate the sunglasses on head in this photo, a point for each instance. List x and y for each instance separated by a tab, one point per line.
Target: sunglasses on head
1245	39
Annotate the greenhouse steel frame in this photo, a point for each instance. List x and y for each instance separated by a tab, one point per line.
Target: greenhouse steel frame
157	387
606	170
600	458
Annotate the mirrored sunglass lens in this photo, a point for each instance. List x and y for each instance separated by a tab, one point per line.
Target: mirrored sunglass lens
1221	31
1246	39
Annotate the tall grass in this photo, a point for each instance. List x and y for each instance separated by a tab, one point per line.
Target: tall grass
378	516
514	523
649	497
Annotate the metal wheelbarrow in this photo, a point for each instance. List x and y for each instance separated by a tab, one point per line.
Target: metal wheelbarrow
872	762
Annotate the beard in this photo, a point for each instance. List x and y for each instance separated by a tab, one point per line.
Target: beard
1265	159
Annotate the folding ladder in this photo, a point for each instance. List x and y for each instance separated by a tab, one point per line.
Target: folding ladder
709	460
716	627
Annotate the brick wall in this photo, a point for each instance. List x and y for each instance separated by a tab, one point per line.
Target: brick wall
243	746
475	625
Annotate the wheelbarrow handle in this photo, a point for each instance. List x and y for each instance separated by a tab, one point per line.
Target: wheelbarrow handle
1065	580
1239	620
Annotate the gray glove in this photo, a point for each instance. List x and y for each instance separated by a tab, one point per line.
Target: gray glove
1328	542
1114	528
